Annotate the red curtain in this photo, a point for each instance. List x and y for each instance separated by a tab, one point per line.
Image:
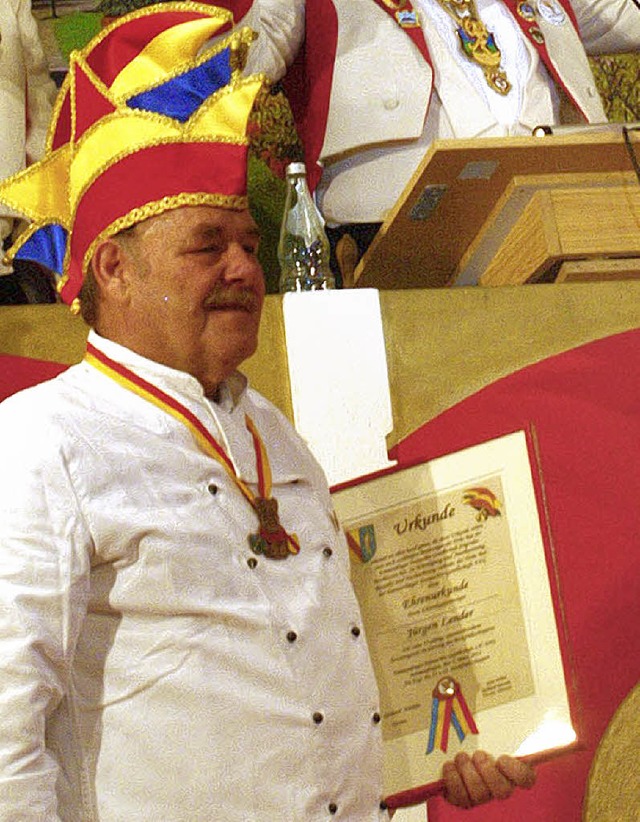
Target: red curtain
583	408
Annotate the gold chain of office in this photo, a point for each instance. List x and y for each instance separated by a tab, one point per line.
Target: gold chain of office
476	41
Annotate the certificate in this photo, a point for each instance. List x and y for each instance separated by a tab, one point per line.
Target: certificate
448	563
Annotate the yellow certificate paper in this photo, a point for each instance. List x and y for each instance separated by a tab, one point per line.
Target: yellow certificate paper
449	567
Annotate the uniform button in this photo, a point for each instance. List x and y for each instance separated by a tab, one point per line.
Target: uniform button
376	718
212	489
327	552
383	805
252	562
391	103
333	808
318	717
355	630
292	636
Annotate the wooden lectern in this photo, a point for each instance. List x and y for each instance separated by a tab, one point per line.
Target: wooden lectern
516	210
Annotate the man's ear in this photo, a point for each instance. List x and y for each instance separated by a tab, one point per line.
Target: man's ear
112	266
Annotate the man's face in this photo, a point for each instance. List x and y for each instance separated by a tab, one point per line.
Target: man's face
195	296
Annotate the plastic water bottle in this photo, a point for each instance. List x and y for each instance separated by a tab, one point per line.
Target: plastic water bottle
303	250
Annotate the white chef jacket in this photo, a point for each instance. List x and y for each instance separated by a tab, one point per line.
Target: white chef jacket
153	668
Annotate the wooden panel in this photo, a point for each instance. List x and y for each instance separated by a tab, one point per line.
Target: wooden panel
546	219
456	187
585	271
528	246
598	221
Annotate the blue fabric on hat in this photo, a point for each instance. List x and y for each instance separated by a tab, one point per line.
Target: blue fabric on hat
181	96
46	246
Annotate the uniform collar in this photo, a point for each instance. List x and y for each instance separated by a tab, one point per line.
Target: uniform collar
229	393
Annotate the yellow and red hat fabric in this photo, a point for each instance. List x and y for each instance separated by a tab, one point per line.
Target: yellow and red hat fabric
152	116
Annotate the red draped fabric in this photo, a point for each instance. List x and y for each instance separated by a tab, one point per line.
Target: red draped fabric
583	408
17	373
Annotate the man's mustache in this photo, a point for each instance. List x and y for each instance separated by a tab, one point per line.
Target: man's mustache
232	297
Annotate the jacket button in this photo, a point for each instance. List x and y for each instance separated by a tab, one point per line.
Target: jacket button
383	805
318	717
252	562
391	103
327	552
291	636
212	489
355	630
333	808
376	718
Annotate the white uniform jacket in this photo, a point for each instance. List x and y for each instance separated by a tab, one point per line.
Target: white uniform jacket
154	668
365	80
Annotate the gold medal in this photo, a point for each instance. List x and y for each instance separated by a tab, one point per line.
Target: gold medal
271	540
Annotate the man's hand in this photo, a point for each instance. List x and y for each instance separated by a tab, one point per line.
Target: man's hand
472	780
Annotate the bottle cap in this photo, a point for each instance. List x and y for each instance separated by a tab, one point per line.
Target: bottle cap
296	168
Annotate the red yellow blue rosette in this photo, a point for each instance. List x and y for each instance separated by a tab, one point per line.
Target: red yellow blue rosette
448	708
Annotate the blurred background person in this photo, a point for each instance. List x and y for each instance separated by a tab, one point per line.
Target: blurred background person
373	82
27	93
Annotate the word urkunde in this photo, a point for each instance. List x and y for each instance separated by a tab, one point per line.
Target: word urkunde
422	521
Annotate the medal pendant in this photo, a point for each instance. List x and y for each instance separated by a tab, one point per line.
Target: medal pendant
271	540
497	80
479	45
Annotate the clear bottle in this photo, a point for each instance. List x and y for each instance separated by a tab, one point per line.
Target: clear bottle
303	250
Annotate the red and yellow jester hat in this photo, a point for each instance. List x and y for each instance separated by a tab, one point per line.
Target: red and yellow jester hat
151	116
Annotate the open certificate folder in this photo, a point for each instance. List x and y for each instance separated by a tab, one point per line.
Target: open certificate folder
449	567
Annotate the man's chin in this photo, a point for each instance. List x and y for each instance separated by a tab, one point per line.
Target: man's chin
232	343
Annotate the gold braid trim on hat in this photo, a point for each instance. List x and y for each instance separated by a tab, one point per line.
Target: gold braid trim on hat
55	114
153	209
63	280
203	8
240	42
24	235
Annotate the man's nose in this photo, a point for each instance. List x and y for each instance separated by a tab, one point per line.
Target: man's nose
241	264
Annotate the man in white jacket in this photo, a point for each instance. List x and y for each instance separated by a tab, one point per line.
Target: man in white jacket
373	82
180	640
